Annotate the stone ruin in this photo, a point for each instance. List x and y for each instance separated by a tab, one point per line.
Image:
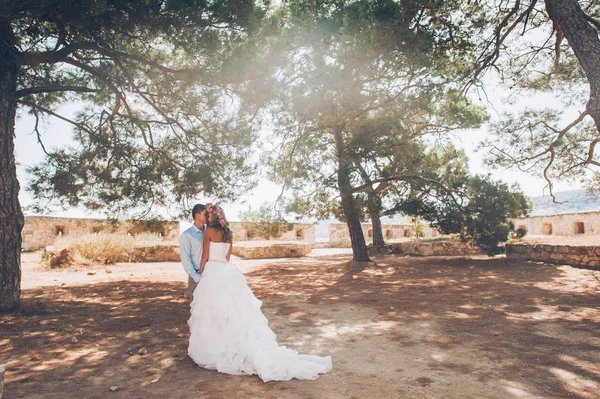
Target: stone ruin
339	236
566	224
41	231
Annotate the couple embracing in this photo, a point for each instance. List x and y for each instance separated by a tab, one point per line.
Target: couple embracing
228	331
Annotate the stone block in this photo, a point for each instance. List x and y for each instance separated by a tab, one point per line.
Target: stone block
544	253
158	253
271	249
2	371
585	259
562	254
436	248
517	248
575	259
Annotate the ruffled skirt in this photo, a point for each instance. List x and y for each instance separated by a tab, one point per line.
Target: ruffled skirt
230	334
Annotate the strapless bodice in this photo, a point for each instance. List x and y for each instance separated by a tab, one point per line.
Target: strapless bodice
218	251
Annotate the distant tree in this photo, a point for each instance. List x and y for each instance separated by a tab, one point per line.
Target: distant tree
479	211
417	226
408	168
518	233
343	63
156	124
264	222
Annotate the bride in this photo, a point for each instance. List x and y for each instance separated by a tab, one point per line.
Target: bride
229	333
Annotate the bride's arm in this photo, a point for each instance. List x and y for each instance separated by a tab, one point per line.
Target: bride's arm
229	252
205	248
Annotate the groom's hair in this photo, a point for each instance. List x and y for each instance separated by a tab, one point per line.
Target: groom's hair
197	209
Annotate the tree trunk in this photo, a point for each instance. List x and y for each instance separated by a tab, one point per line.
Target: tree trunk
357	238
11	216
568	16
374	213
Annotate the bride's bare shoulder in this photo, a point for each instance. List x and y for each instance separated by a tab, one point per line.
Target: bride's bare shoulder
210	232
214	234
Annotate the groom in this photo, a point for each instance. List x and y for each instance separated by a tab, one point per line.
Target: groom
190	247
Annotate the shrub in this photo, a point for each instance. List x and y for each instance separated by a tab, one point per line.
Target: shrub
106	249
417	226
64	258
479	210
264	223
519	233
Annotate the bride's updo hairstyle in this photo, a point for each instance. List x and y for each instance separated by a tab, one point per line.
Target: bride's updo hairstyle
216	219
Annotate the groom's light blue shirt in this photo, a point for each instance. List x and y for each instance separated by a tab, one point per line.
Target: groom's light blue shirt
190	249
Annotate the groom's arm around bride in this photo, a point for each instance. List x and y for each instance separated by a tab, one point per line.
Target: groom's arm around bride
190	248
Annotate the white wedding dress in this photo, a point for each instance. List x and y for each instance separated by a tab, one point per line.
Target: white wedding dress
230	334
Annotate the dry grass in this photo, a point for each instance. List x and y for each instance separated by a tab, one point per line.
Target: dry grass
104	249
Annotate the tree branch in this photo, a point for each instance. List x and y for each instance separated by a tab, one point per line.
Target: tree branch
593	21
36	127
52	89
120	97
145	61
50	57
552	151
571	125
490	59
36	107
590	158
367	186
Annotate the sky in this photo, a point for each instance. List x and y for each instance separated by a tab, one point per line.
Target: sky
57	133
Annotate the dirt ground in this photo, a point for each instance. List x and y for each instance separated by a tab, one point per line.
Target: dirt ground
404	328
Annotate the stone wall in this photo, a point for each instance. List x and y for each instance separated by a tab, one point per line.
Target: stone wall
568	224
339	236
298	232
271	249
574	255
42	231
2	372
157	253
436	248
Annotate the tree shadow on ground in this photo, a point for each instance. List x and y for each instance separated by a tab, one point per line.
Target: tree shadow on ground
534	321
536	324
77	342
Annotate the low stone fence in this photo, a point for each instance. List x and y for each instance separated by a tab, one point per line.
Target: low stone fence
158	253
339	235
574	255
2	371
271	249
436	248
58	258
